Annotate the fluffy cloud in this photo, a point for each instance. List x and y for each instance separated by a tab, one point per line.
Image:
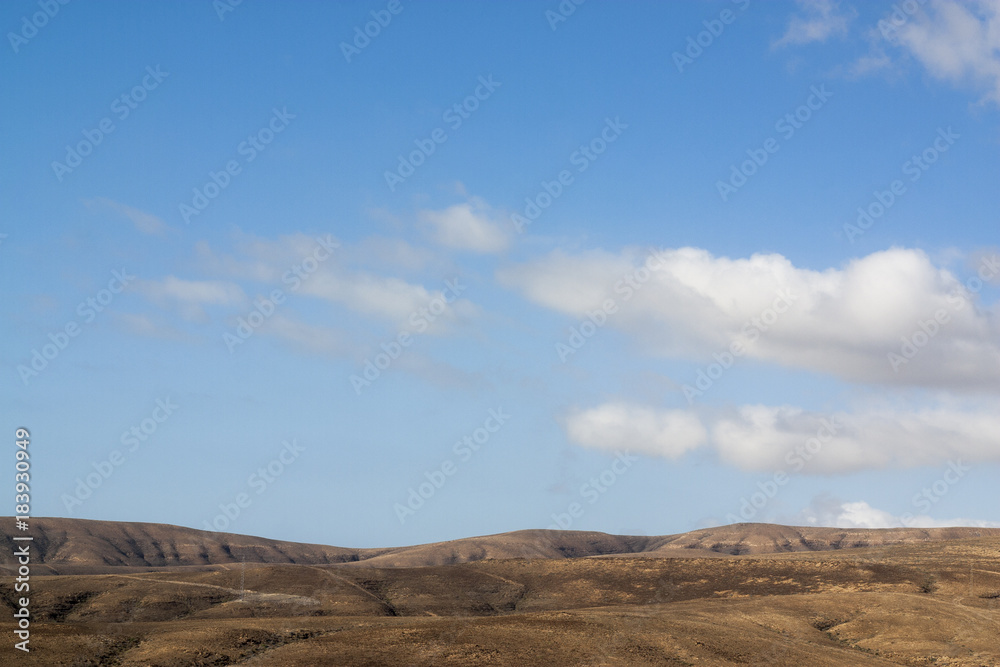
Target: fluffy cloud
466	227
957	42
767	438
617	426
860	514
821	20
844	321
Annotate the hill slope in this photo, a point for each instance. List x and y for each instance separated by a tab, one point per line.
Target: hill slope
921	603
67	546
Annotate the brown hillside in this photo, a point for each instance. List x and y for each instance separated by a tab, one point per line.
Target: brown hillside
924	602
67	546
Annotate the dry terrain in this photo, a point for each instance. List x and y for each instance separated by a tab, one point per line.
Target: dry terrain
106	593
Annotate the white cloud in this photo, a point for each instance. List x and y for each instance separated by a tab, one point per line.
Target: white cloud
842	321
194	291
141	325
441	373
767	438
851	515
956	41
617	426
387	298
392	253
822	19
144	222
467	227
859	514
392	299
333	343
324	341
189	297
876	60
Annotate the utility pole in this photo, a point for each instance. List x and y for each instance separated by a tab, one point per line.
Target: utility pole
243	579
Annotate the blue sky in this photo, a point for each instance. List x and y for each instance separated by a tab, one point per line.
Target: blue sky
638	268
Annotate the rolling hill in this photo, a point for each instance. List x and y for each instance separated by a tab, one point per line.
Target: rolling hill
65	546
152	595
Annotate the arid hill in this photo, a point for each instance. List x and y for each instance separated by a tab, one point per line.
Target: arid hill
79	546
910	597
82	546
